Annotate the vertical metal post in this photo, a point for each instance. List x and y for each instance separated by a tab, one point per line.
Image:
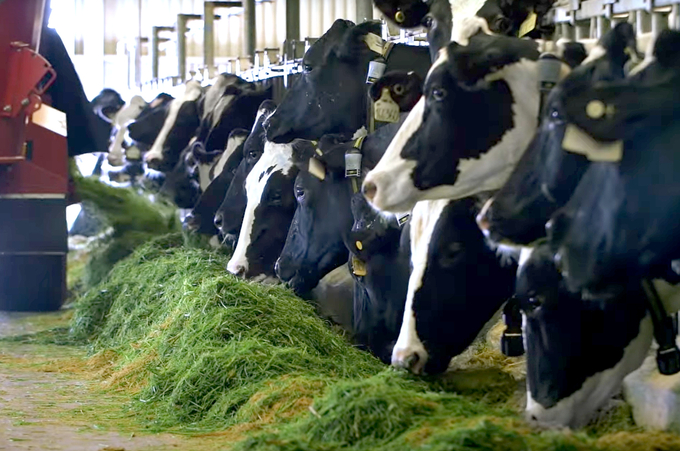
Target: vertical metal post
209	38
673	17
182	46
567	31
364	10
643	22
659	23
155	53
249	31
292	25
138	52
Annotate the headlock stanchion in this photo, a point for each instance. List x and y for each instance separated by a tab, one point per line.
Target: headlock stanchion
33	167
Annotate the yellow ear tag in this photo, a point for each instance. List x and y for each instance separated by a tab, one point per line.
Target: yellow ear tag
577	141
528	25
375	43
133	153
386	109
317	168
359	245
358	267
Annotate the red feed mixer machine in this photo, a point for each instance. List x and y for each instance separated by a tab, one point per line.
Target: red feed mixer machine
33	167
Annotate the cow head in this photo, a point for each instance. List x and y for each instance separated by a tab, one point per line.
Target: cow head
477	115
405	88
148	124
201	219
546	175
107	103
182	186
269	211
229	215
577	352
179	127
455	287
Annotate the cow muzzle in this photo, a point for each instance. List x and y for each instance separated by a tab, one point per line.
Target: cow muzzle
412	359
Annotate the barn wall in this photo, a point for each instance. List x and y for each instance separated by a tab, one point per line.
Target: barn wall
102	34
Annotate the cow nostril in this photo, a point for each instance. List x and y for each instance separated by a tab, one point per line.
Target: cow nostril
369	189
190	220
411	360
218	221
238	271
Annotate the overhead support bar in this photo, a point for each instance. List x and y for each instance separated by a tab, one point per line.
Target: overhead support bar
209	32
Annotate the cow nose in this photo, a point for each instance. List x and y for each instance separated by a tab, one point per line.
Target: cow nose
408	359
190	221
483	218
283	269
369	189
219	221
237	270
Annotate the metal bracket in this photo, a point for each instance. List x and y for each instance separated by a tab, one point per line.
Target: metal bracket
29	77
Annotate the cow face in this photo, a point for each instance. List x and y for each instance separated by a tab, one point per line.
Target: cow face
456	286
201	219
578	352
381	244
405	88
148	124
120	128
181	186
476	117
269	211
179	127
330	96
547	174
229	215
107	103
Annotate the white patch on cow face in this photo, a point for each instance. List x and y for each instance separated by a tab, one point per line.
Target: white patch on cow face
278	157
466	25
121	121
596	53
232	145
204	175
577	409
191	93
392	175
424	218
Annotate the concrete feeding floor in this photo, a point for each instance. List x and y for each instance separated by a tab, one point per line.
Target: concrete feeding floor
45	410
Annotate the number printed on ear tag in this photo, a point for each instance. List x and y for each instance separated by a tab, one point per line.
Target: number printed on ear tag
386	109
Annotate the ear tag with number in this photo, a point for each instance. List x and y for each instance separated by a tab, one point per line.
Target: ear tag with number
386	109
353	163
577	141
317	168
403	219
358	266
376	69
528	25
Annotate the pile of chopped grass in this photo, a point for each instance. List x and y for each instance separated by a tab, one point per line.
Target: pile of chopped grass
133	218
203	351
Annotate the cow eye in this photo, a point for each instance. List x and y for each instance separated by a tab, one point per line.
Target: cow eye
275	198
439	94
427	22
299	193
398	89
253	154
307	68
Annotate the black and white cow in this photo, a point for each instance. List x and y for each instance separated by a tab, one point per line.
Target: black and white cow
120	123
578	352
331	95
379	243
229	215
107	104
269	211
202	218
626	228
465	135
546	175
405	88
323	217
456	285
146	127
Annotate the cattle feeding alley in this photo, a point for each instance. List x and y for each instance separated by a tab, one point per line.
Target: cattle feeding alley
388	255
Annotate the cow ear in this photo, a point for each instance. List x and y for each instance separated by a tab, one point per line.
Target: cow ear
325	43
353	43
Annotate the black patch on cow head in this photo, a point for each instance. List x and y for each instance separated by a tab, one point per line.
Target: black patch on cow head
462	287
463	115
107	103
148	124
180	185
272	218
404	13
569	339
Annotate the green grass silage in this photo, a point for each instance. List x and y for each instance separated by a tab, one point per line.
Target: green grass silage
202	351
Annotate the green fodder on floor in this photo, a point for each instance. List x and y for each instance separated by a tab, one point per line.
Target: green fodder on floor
133	218
201	351
198	344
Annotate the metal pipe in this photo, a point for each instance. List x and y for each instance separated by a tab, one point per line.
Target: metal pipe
673	17
249	29
659	23
138	52
292	25
209	38
182	46
364	10
155	52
